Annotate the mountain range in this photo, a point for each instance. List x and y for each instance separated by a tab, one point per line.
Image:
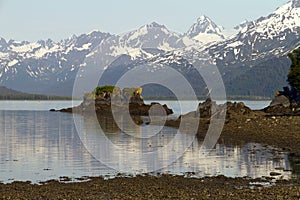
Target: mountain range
252	62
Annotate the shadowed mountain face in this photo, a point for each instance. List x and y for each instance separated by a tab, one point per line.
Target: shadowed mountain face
296	3
253	62
5	90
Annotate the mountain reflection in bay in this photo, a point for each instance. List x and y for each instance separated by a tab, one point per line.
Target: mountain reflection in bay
42	145
131	150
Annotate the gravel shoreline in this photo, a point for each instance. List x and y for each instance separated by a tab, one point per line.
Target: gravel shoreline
151	187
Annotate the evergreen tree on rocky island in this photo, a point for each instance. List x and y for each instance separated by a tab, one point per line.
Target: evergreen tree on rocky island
294	74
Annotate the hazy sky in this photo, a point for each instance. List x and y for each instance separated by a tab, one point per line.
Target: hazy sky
56	19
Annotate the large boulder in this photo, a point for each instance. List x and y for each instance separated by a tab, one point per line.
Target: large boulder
280	101
281	105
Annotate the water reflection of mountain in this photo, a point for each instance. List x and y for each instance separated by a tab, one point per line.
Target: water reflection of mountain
38	145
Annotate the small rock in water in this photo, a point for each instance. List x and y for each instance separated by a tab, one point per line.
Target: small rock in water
274	174
279	168
65	178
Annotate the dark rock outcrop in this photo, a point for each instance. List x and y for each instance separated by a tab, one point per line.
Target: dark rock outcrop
103	107
209	108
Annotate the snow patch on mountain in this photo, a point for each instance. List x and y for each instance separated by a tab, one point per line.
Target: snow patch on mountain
84	47
207	38
4	55
25	48
235	44
12	63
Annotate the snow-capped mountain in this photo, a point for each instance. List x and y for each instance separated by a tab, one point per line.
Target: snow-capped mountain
154	35
32	67
45	63
137	43
205	31
50	67
253	61
275	34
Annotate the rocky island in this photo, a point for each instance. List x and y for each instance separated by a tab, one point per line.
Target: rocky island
102	98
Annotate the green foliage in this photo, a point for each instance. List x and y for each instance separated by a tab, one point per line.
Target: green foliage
294	74
100	90
107	90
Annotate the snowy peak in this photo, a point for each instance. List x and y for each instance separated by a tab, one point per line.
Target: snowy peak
160	30
242	25
204	25
155	25
205	31
149	36
149	30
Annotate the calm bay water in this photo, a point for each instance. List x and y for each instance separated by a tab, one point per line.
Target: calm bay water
36	105
39	145
178	107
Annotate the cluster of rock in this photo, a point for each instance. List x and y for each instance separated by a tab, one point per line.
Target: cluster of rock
209	109
285	102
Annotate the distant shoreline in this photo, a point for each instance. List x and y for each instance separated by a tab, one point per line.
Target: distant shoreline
34	97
